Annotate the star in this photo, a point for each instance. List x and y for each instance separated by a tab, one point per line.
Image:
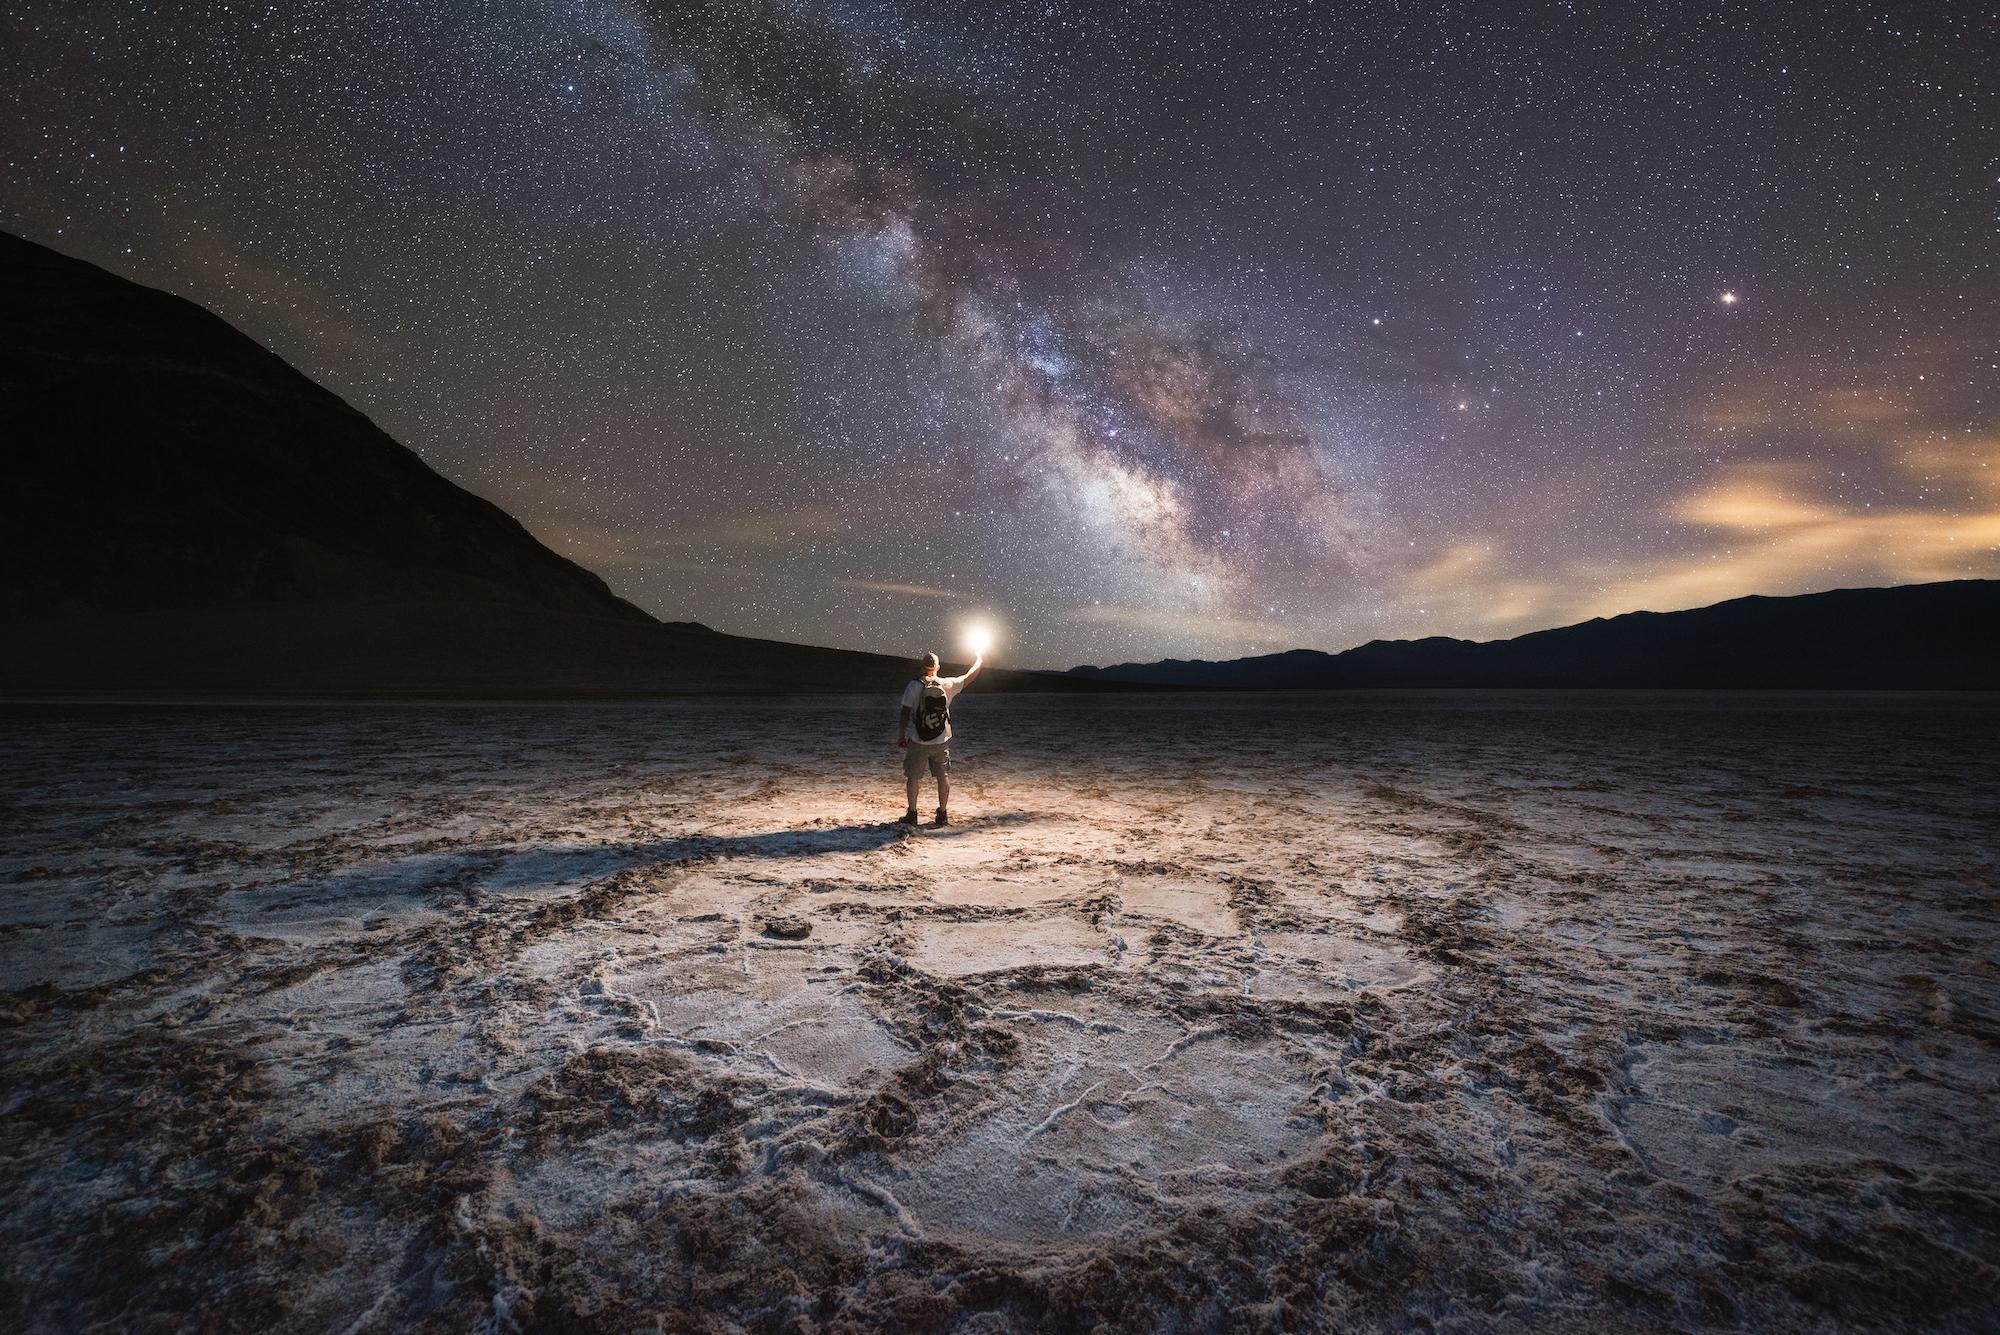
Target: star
815	262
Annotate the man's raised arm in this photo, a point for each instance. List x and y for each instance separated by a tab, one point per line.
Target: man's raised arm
978	662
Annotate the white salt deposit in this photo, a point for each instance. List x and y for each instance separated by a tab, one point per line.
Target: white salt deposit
1411	1012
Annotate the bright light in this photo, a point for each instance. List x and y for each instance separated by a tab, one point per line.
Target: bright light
1730	298
979	639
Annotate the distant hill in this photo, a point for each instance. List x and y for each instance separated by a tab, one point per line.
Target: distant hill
1942	636
182	511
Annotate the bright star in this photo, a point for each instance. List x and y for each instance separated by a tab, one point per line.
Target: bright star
1729	298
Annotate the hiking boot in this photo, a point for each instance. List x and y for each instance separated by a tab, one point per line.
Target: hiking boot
908	817
942	819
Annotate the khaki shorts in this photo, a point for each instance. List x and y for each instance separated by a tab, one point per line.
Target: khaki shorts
935	755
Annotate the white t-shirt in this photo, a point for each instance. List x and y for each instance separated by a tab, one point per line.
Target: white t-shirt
914	692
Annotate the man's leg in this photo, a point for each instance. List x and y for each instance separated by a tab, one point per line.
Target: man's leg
941	766
912	772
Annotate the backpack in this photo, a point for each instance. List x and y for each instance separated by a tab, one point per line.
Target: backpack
933	712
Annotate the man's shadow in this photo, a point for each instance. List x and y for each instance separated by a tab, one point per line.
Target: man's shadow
817	841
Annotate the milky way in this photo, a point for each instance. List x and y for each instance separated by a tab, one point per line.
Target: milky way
1142	332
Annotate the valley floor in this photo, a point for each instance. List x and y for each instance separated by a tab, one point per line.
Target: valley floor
1404	1012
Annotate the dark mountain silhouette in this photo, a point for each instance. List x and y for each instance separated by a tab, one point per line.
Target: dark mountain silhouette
1916	637
182	511
157	458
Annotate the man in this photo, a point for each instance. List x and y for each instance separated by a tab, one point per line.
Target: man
924	731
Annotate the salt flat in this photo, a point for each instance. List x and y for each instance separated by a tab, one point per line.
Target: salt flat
1426	1011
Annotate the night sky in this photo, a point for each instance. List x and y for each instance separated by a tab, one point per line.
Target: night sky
1148	330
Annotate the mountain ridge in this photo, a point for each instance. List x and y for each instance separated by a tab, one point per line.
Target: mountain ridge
1942	635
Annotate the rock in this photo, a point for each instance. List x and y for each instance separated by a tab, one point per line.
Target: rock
787	927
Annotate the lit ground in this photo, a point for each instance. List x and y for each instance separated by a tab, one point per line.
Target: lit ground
1449	1012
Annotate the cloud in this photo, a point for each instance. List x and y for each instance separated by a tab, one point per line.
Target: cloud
1969	460
1754	497
1779	403
1755	528
1454	566
1857	399
1863	409
306	310
1472	588
616	552
770	528
1770	535
606	546
1914	495
891	586
1215	627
